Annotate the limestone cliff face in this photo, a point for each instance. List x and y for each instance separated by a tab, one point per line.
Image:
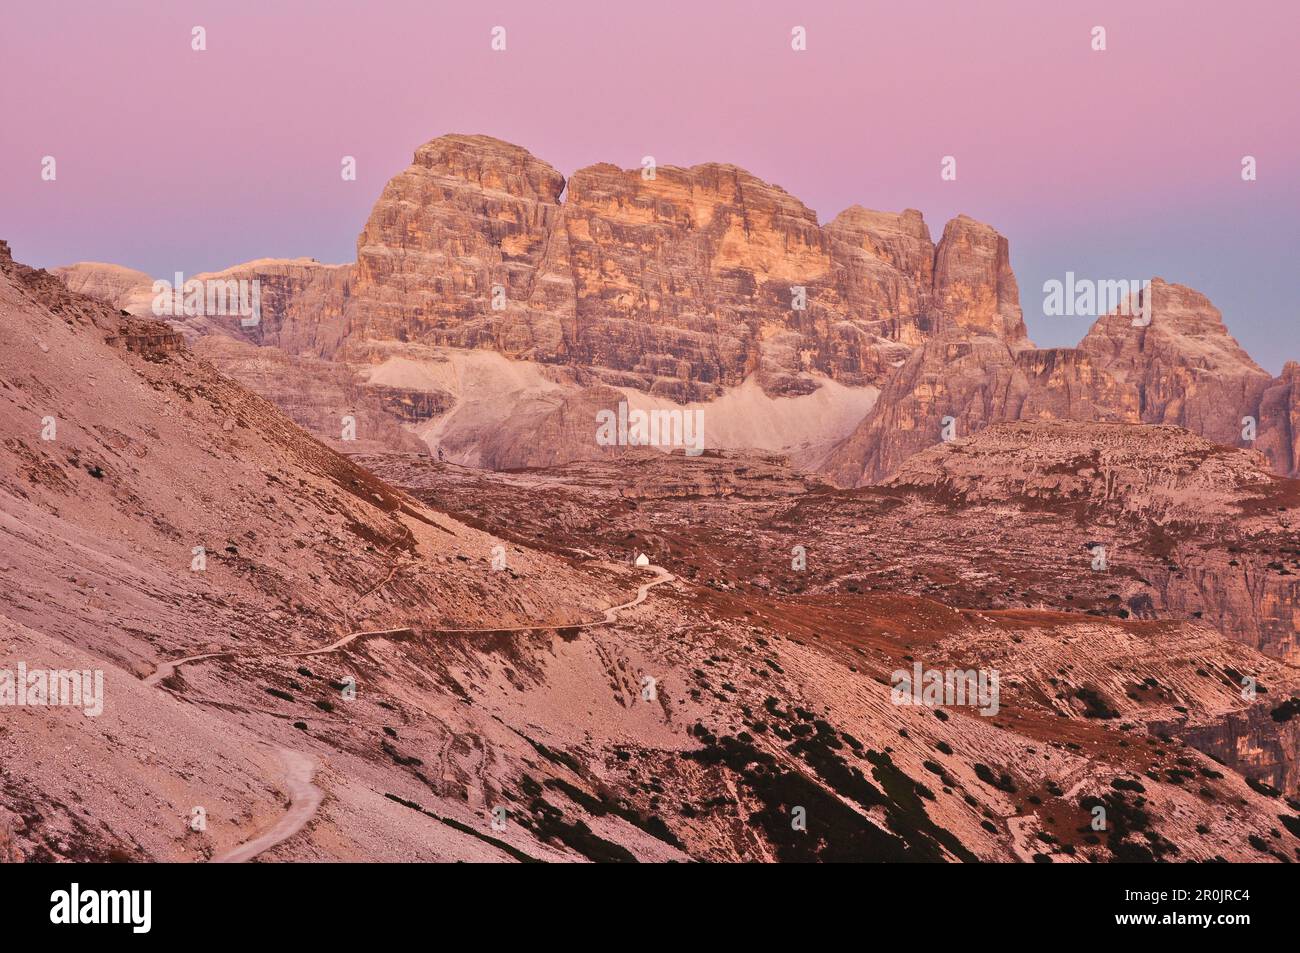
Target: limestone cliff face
1279	420
680	284
954	382
1193	529
471	213
680	279
1183	368
885	261
1156	475
118	287
302	306
301	301
1253	743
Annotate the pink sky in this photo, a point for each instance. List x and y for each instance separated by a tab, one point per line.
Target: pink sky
1116	164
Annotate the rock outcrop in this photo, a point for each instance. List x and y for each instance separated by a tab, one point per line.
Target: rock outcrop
1162	475
1183	369
1279	420
1191	529
974	286
123	288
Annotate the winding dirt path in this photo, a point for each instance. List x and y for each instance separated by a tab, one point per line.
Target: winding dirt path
610	616
167	669
304	800
299	768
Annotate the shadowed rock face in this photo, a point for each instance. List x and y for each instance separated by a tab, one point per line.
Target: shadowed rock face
1279	420
1158	474
1183	369
973	380
1192	529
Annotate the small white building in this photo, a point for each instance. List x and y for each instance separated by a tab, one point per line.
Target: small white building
642	559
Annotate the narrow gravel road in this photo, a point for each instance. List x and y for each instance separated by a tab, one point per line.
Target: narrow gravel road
304	800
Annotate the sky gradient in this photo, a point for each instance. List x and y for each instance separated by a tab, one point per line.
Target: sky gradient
1119	164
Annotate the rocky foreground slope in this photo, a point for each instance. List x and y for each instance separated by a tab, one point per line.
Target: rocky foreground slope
493	306
469	669
151	509
1160	645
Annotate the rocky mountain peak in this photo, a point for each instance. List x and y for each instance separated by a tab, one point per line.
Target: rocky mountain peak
492	164
974	284
1185	328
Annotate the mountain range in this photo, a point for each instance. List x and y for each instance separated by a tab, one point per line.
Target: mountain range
361	583
494	307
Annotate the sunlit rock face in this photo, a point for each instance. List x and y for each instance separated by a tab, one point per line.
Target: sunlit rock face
680	283
974	285
470	213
